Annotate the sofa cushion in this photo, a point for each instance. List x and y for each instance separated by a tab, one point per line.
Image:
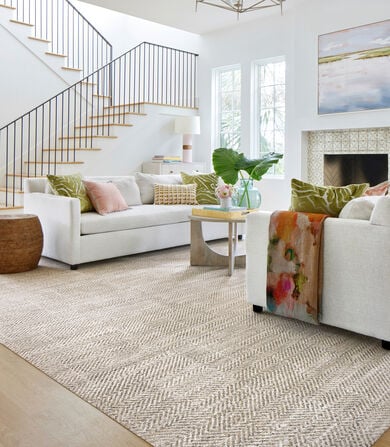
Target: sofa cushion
378	190
141	216
71	186
359	208
105	197
126	184
205	186
146	184
381	213
175	194
329	200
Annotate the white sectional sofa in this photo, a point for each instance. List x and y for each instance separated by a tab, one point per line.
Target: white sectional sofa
75	238
356	271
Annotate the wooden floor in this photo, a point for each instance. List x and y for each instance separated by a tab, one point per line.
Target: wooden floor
37	411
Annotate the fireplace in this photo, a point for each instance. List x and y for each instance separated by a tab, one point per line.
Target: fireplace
319	144
344	169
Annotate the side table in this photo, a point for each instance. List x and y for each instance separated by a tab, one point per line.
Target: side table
202	254
21	242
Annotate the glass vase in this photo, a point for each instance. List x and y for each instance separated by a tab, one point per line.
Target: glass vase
247	195
225	203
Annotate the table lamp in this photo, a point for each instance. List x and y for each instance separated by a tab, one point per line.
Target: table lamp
187	126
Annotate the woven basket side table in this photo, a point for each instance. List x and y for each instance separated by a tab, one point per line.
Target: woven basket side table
21	242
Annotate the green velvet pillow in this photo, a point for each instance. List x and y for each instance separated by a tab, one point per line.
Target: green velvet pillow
205	186
71	186
330	200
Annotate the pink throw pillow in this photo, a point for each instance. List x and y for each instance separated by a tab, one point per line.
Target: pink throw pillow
105	197
378	190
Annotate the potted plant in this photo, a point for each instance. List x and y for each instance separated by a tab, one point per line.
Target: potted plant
231	165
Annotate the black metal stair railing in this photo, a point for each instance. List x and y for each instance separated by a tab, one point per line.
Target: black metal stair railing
67	32
52	134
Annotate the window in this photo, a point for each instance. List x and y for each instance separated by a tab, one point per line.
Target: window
227	91
269	77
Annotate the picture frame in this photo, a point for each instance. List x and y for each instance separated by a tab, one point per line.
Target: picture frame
353	69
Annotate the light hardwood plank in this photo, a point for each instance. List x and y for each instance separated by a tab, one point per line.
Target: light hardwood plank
35	410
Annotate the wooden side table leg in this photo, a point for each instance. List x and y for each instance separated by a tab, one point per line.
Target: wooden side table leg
231	252
201	253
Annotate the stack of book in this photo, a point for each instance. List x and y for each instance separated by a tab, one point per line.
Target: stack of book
167	158
235	212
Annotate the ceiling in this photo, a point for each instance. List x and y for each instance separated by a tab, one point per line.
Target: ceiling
181	13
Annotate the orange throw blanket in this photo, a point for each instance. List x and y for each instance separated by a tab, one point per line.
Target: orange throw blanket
294	267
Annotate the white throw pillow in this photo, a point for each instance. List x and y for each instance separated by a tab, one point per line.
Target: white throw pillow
129	189
146	183
359	208
381	213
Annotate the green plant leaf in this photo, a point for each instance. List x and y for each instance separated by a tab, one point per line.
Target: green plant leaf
228	163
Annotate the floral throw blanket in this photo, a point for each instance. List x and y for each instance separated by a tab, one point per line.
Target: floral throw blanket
294	267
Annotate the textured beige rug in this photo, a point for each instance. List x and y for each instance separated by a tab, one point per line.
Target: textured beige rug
176	354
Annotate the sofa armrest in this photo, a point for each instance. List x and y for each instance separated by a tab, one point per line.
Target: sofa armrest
60	220
256	256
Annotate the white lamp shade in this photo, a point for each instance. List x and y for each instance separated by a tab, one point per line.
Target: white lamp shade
189	125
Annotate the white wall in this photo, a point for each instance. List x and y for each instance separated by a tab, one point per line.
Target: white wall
293	35
25	81
125	32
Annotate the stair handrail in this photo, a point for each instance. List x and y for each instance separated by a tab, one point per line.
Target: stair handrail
147	73
95	50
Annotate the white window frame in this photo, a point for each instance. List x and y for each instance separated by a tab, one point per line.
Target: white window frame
255	111
216	102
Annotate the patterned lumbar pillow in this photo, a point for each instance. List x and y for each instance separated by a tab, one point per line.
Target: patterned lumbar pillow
205	186
175	194
330	200
71	186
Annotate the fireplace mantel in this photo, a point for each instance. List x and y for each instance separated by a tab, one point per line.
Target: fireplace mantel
342	141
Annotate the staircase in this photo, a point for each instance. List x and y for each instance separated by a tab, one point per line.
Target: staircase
85	117
59	34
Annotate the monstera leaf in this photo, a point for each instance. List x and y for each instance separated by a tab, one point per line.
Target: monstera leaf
228	163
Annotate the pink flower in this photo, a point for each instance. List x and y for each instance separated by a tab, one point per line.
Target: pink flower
224	191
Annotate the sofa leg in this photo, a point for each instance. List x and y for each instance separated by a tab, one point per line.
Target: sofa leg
74	267
386	345
257	309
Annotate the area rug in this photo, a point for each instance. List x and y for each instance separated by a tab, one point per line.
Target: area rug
176	354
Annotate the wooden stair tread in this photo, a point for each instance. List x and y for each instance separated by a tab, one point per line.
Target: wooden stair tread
7	6
87	136
54	162
21	23
49	53
101	96
71	149
11	190
3	206
88	83
72	68
92	126
39	39
117	114
26	176
134	104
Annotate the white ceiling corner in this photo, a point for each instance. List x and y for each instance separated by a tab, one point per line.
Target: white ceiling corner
181	13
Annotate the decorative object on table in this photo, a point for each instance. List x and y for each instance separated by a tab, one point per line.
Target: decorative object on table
352	69
230	165
216	212
187	126
247	195
225	192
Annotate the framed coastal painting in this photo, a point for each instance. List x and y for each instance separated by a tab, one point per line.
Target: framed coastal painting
354	69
